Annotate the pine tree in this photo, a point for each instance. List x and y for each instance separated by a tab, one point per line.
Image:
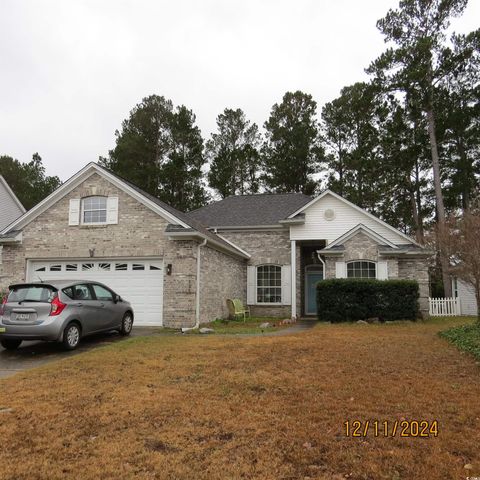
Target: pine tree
28	180
292	152
161	150
233	154
417	29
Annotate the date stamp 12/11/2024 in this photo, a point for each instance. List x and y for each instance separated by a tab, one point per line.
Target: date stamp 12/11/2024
392	428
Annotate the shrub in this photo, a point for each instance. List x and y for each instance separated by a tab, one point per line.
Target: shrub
341	300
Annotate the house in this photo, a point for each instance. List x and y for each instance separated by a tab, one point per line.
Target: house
178	269
10	206
465	292
295	241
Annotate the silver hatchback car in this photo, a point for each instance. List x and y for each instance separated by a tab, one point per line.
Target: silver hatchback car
62	311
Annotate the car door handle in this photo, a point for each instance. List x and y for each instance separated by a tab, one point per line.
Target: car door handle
79	304
102	304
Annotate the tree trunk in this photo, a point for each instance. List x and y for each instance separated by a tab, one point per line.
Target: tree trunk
416	217
418	200
439	201
477	298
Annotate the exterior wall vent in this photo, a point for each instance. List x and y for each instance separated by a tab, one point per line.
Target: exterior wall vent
329	214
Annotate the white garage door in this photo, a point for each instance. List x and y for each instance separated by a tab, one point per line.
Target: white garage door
138	281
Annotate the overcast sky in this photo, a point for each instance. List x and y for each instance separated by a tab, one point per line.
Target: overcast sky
71	70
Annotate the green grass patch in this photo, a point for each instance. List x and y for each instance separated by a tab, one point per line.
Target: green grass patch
465	337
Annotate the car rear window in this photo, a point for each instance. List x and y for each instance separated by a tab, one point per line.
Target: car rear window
68	292
31	293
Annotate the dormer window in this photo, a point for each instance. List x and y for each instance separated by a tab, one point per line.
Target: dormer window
94	210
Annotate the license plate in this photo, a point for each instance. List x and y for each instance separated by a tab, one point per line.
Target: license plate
3	329
22	316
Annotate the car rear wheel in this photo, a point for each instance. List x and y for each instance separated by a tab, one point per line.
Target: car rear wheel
127	324
10	343
71	336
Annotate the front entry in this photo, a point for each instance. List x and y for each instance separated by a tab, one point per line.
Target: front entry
313	275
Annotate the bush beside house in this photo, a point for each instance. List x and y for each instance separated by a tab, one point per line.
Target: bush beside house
341	300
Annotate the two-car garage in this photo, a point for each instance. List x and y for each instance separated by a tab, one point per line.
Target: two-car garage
140	281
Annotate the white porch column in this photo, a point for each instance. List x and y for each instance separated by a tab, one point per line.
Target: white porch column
293	261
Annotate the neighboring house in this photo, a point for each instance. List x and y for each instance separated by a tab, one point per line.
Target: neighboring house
177	269
10	206
466	295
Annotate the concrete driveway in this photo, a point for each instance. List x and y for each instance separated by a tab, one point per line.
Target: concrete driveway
34	354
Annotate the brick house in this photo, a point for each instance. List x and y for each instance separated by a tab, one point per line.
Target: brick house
178	269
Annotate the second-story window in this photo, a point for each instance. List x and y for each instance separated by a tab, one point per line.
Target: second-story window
94	210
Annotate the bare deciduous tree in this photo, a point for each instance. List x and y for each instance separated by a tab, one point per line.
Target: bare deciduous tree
461	239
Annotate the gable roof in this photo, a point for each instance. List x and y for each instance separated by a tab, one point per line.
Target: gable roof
172	215
264	209
356	207
364	229
10	206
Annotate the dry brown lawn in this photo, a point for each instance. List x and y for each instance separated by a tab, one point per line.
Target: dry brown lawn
228	408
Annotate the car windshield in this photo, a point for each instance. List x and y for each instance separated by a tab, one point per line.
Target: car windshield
31	293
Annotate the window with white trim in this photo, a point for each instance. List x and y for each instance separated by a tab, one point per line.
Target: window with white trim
361	269
269	284
94	210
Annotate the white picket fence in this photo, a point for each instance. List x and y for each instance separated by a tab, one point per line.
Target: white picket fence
443	307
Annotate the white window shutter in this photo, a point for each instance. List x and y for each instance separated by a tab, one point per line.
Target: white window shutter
251	287
340	270
382	271
74	211
112	210
286	285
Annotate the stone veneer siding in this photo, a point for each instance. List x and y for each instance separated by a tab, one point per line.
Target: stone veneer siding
221	276
139	233
265	247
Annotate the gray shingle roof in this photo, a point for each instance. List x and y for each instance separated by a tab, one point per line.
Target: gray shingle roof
191	222
250	210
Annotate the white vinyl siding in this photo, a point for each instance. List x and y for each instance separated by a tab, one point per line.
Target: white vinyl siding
9	210
466	295
346	218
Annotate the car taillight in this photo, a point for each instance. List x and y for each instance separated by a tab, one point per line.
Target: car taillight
2	306
57	307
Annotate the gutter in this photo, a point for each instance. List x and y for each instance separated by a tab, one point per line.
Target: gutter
193	234
197	299
12	240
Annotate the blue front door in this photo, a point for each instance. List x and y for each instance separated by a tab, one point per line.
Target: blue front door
312	278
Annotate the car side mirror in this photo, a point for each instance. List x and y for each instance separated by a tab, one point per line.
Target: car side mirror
117	298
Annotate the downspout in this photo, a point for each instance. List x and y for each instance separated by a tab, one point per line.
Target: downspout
323	263
197	299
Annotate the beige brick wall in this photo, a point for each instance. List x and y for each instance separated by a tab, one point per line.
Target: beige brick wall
139	233
266	247
416	269
222	276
